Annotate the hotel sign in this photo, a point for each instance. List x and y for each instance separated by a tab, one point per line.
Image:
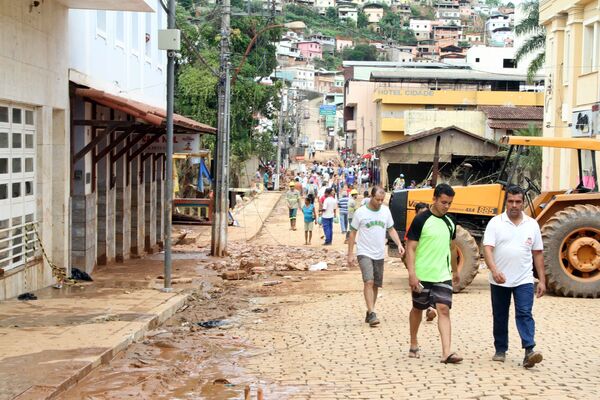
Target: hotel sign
405	92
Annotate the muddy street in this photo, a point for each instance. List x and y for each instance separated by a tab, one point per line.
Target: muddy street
181	359
299	334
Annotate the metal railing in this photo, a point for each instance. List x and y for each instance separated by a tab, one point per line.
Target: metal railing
18	245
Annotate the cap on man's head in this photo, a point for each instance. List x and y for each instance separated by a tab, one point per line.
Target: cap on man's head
292	184
353	192
401	175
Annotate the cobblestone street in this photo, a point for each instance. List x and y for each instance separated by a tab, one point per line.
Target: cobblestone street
318	347
314	344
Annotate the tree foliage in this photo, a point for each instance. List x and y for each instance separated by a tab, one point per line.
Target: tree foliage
196	85
392	28
536	42
360	52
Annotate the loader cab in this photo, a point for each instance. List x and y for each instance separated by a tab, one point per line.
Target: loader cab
537	201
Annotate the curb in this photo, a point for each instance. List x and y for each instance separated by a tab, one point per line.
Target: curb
266	217
159	314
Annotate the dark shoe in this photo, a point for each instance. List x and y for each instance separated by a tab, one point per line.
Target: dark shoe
373	320
499	356
532	358
367	317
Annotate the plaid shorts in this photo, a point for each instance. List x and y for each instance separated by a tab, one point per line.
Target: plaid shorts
432	294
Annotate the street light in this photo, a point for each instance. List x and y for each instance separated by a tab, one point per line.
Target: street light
290	25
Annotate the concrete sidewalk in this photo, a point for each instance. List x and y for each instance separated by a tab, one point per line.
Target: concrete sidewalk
49	344
250	218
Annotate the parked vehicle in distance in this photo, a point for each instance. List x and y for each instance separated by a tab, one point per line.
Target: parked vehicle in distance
306	114
319	145
304	141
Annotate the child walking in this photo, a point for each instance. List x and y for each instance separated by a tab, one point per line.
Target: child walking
310	215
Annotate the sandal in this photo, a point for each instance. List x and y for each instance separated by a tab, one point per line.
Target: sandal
414	353
453	358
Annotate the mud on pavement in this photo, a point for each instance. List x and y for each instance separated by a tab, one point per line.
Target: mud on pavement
182	359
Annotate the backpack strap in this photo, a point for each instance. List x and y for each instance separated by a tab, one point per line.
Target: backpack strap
450	225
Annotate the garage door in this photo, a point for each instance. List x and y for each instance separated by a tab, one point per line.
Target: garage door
17	185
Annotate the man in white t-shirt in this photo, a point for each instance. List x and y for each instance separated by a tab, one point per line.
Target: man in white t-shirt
371	223
512	247
329	211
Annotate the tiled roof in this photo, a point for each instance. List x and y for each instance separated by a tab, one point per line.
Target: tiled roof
514	113
513	124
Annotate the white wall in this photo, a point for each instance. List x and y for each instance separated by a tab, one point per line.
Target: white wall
33	76
491	59
114	56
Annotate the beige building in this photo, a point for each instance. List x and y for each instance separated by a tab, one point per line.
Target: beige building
573	83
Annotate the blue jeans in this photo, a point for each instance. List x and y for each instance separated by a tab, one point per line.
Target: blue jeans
501	297
344	222
328	229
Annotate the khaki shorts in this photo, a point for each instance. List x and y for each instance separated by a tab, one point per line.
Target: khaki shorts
308	226
372	270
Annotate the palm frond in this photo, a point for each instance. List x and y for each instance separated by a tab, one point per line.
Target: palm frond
535	65
531	45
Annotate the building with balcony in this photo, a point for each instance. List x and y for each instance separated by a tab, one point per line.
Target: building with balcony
572	106
348	12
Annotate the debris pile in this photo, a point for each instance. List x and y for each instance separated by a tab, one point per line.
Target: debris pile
245	260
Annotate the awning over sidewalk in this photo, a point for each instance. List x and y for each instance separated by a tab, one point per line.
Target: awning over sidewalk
152	115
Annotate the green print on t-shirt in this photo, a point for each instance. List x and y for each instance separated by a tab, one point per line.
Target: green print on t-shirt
375	223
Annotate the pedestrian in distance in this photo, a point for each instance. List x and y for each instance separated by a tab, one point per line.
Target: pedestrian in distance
328	213
512	247
292	197
368	229
365	199
432	269
343	206
310	216
399	182
352	206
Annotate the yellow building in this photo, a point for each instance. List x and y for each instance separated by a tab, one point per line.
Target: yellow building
572	85
423	99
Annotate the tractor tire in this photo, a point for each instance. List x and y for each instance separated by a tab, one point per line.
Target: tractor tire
572	251
468	258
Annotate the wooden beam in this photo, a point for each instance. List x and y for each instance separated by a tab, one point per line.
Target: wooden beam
86	149
100	123
129	145
143	147
114	144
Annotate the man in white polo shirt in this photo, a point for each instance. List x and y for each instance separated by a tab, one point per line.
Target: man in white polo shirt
512	246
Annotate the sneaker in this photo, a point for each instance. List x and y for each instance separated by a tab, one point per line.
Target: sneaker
499	356
532	358
372	320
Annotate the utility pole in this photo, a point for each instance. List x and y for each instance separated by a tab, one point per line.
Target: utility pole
220	216
279	142
169	172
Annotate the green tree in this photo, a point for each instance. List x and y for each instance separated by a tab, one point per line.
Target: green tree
362	21
391	27
196	85
536	43
332	14
360	52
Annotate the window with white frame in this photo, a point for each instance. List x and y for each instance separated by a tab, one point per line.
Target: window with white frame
148	36
135	33
120	27
17	185
587	55
101	21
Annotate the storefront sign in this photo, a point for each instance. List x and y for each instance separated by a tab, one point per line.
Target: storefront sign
405	92
182	144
